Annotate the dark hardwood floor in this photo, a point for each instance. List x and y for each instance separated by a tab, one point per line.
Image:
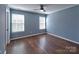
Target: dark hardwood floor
42	44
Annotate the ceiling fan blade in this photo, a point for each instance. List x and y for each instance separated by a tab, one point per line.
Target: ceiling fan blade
44	10
36	9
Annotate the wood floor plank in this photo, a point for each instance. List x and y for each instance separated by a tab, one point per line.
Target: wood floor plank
42	44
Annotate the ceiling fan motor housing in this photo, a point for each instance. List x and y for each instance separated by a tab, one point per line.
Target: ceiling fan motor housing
41	7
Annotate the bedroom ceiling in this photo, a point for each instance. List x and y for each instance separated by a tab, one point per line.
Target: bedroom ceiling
50	8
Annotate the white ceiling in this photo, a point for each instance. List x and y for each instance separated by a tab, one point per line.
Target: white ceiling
50	8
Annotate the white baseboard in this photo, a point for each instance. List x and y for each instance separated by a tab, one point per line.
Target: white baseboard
5	52
8	41
63	38
27	36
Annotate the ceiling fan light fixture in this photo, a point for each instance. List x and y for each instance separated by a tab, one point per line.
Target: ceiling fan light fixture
42	10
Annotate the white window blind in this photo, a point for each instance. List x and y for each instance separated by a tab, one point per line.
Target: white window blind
41	22
17	23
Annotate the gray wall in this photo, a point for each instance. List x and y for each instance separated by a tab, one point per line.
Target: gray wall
64	23
31	24
2	28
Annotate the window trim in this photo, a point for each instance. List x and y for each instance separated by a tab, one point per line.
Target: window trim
11	23
41	22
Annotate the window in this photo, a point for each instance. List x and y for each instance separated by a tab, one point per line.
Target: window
42	22
17	23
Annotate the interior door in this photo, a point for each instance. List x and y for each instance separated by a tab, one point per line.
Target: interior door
7	25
